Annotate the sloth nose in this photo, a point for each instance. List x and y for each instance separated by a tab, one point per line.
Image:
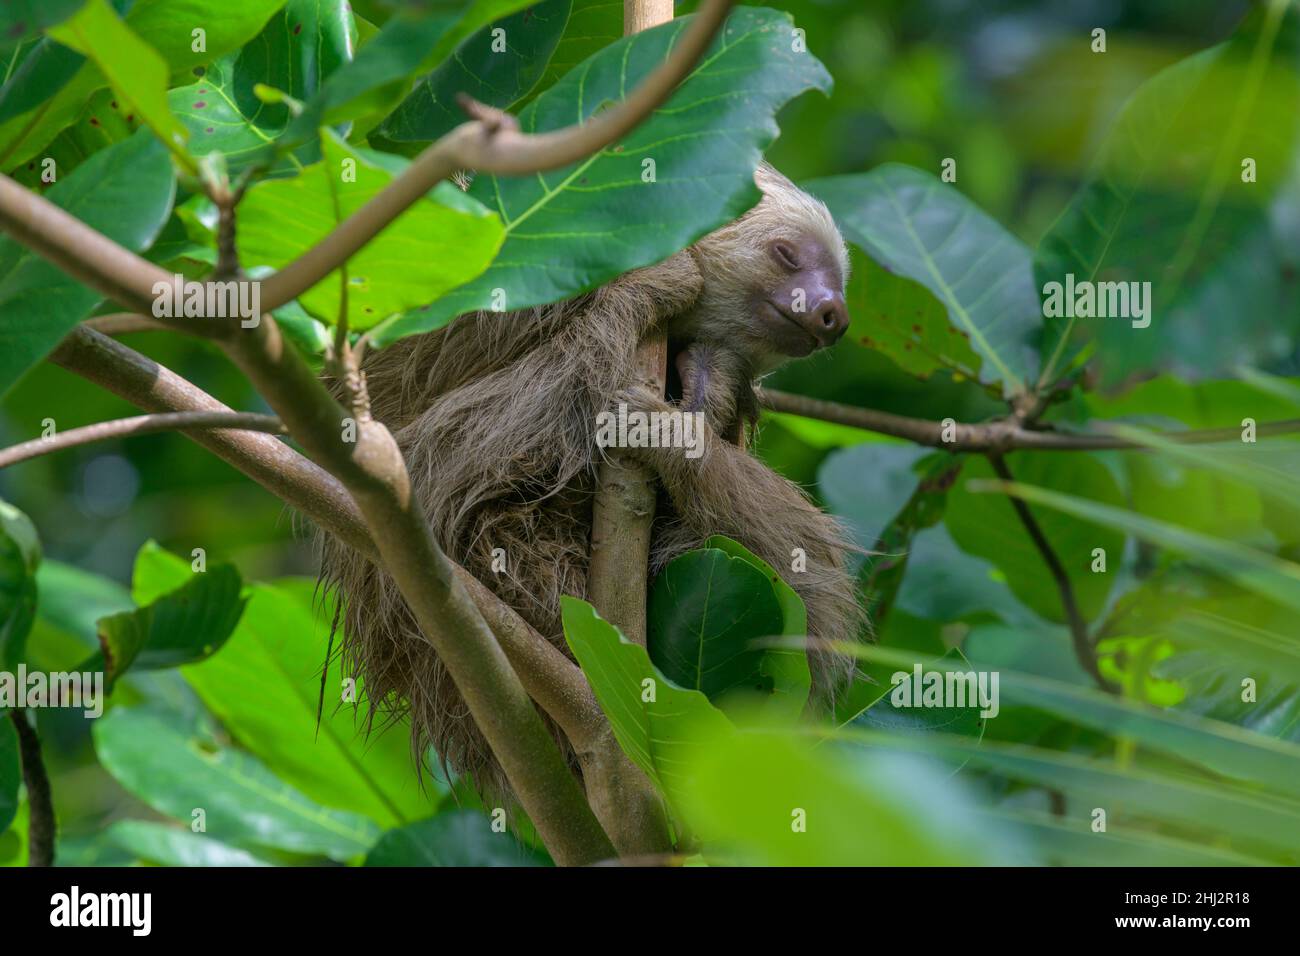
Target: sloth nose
827	317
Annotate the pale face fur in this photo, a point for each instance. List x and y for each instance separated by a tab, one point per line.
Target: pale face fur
752	269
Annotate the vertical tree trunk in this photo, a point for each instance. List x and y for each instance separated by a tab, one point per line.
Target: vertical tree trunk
623	798
624	508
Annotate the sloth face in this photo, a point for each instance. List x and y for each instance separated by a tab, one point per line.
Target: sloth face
804	310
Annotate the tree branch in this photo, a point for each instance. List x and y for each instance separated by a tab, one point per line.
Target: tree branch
621	796
1083	649
41	825
490	145
371	467
121	323
139	425
995	437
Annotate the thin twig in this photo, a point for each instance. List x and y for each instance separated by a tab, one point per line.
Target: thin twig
1083	648
41	825
138	425
992	437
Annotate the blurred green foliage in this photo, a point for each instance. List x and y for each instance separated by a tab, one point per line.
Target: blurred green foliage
1185	559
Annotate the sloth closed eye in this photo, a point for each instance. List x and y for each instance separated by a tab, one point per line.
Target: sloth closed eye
785	255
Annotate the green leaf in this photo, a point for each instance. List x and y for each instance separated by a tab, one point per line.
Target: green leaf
74	600
925	230
453	838
657	723
440	242
883	573
20	19
1166	204
178	771
410	44
1071	844
166	26
296	52
1254	570
184	625
166	845
705	615
20	556
499	78
1265	825
705	142
43	70
11	770
136	72
593	25
157	572
786	667
124	192
893	703
988	527
774	799
902	319
1220	748
265	687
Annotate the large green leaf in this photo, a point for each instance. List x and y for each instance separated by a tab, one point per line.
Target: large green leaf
918	227
1218	747
43	70
592	25
1165	203
20	19
165	25
183	626
124	192
705	615
452	838
440	242
178	771
773	799
20	556
410	44
497	77
11	770
265	687
296	52
166	845
1258	571
904	320
1265	826
785	667
657	724
135	71
988	527
705	143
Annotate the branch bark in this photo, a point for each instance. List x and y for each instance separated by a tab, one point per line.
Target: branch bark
991	437
1083	648
139	425
621	797
41	825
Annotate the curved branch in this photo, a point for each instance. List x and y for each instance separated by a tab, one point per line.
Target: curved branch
41	825
139	425
1083	647
550	678
997	436
492	143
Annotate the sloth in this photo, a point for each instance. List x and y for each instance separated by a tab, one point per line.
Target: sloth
496	417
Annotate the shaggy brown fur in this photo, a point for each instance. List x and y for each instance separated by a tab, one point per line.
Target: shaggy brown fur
496	417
